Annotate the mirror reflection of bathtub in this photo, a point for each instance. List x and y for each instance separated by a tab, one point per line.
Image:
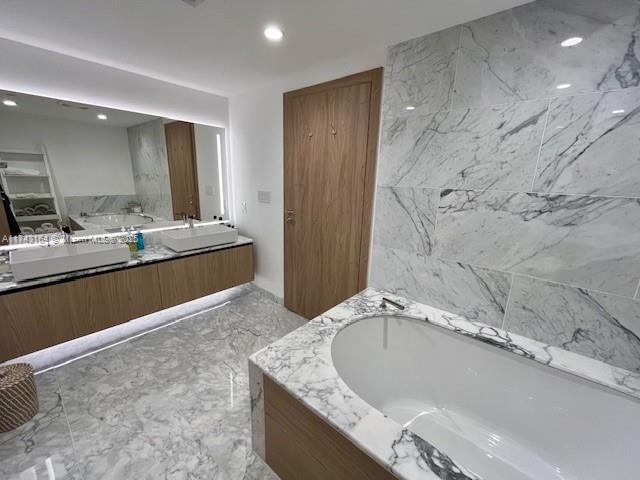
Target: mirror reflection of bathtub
111	221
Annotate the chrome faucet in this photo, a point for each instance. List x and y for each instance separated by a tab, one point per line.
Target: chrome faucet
387	301
187	219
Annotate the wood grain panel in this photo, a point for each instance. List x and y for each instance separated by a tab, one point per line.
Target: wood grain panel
42	317
330	137
91	304
300	445
183	171
139	289
5	230
193	277
26	324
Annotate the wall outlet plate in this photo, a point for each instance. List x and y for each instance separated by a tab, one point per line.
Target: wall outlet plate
264	197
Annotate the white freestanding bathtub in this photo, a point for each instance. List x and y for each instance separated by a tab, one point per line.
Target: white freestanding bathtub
501	416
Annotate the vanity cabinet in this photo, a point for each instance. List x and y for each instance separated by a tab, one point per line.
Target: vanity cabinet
26	324
94	303
194	277
41	317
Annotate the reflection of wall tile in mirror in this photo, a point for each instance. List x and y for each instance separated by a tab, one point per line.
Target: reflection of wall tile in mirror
605	327
405	218
592	145
493	147
479	294
516	54
419	72
590	242
98	204
151	167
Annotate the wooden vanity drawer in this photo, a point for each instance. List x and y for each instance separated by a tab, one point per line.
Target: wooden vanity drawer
193	277
49	315
27	325
34	319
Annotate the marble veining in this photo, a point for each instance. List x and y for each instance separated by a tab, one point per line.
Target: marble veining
604	327
593	242
151	253
491	147
516	54
151	167
581	132
419	72
479	294
301	363
535	180
406	217
98	204
171	404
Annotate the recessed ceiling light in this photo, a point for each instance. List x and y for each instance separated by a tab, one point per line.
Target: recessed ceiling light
570	42
409	107
617	111
273	33
562	86
102	116
9	103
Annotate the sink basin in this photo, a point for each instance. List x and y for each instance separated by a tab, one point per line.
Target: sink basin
45	261
198	237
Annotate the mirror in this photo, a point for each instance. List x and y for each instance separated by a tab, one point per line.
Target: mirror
103	170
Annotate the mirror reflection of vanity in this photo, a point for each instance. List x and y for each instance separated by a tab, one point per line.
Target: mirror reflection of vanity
107	216
101	170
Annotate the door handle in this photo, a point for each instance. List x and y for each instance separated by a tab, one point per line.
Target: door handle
290	216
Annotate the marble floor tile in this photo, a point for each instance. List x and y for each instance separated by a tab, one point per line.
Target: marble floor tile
490	147
479	294
581	133
590	242
516	54
43	446
171	404
604	327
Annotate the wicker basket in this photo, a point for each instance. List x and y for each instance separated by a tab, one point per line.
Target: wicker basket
18	396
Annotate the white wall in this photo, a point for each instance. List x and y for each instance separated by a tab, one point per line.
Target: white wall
86	159
256	134
207	164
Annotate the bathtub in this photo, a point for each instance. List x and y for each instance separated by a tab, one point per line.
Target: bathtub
502	416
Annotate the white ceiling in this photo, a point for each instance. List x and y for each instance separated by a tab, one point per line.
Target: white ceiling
79	112
218	45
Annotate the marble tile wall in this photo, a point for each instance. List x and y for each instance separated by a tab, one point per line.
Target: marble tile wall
151	168
98	204
506	199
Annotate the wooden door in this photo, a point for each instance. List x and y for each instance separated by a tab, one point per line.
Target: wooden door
330	144
5	231
183	172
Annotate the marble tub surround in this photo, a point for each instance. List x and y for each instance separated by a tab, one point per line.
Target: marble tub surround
488	174
601	326
302	363
182	412
150	163
592	242
151	253
407	218
477	293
